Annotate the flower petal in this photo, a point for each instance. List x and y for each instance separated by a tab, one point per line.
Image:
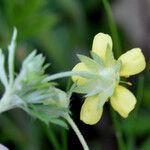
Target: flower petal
100	44
123	101
78	79
90	113
133	62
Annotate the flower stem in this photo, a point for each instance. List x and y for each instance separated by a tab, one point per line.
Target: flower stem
64	134
68	74
76	130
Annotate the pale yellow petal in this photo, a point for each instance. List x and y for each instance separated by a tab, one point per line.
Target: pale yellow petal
100	43
79	67
123	101
133	62
90	113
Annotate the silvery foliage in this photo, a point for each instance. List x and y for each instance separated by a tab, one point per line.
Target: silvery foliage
29	90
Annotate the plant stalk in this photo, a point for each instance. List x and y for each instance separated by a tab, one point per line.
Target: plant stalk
70	73
76	130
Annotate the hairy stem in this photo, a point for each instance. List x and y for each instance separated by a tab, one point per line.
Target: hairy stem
78	133
68	74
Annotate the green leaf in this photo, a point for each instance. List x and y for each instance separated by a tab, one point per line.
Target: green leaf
3	75
11	53
59	122
31	73
37	97
46	113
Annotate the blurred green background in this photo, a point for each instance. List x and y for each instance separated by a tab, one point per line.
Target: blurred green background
60	29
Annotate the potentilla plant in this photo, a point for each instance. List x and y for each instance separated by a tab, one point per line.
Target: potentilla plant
32	91
98	78
104	85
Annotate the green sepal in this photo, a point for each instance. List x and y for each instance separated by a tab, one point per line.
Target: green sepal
89	63
117	66
105	95
89	87
97	59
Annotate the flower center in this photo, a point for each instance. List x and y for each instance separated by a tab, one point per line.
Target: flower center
109	77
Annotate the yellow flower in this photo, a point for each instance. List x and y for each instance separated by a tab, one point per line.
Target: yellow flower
104	84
